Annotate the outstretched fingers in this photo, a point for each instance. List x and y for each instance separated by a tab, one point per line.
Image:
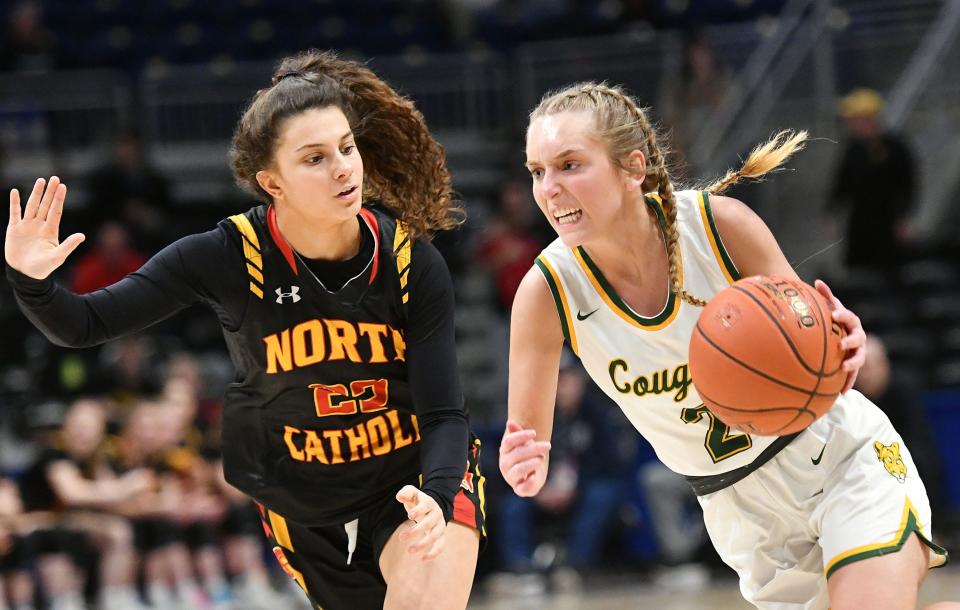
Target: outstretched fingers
14	207
33	202
68	245
55	190
55	211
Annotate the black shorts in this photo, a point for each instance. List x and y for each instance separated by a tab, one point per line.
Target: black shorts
153	533
15	557
316	557
27	548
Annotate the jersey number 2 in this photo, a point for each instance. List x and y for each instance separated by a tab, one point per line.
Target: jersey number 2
720	444
365	395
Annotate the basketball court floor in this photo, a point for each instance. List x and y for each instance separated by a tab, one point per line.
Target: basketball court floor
942	584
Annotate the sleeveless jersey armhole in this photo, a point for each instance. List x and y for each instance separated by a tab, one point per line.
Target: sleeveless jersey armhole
723	257
560	300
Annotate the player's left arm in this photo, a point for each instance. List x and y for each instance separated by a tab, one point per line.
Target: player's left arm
437	398
755	251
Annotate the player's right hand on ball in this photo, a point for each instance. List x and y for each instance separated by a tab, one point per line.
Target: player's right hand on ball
32	246
523	460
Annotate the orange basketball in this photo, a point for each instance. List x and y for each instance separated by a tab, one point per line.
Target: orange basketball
765	355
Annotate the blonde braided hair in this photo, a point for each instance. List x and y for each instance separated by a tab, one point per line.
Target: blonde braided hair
624	126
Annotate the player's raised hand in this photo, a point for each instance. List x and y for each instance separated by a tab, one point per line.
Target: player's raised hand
523	460
425	535
855	342
32	246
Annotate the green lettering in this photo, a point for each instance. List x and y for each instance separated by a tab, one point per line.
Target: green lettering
681	379
640	385
625	388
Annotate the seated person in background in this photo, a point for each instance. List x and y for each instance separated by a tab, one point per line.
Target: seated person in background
237	524
130	188
677	522
108	262
14	577
71	479
33	543
163	516
592	457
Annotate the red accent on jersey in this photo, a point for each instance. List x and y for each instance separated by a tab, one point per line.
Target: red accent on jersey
284	562
371	221
464	510
279	239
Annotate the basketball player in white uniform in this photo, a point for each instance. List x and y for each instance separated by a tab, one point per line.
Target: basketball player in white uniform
835	516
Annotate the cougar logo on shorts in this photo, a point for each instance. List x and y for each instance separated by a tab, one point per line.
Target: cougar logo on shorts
890	456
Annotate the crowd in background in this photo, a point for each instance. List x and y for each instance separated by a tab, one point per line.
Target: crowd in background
111	492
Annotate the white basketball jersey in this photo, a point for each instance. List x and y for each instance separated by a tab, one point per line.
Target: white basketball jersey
641	362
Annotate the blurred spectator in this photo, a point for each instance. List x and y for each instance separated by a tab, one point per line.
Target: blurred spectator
160	515
71	478
591	464
110	260
876	180
691	100
677	522
509	245
26	44
33	544
900	401
128	189
131	365
16	585
235	521
461	16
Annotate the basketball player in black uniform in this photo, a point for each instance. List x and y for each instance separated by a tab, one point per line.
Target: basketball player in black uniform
346	422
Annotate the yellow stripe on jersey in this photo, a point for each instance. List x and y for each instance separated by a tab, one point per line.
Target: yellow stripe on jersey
560	299
279	526
713	236
254	273
481	491
251	252
401	249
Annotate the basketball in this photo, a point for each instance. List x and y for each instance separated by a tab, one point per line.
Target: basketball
765	355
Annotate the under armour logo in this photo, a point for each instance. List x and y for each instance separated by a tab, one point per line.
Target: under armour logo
281	295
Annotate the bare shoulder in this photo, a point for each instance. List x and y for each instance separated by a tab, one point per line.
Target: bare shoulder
747	238
732	214
534	308
533	294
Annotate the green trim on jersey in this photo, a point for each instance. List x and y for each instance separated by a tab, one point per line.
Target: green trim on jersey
910	524
566	324
716	242
611	295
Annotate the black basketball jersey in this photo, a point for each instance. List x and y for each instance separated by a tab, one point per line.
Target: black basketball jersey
320	421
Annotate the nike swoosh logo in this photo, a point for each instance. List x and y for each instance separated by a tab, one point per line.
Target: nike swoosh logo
816	462
581	316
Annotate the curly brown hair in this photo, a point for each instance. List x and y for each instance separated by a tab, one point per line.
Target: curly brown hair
405	167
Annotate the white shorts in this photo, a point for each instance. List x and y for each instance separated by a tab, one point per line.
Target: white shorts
845	489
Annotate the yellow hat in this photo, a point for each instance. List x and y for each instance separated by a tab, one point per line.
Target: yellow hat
860	102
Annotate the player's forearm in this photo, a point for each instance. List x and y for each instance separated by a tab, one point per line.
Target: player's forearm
443	454
74	320
57	313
